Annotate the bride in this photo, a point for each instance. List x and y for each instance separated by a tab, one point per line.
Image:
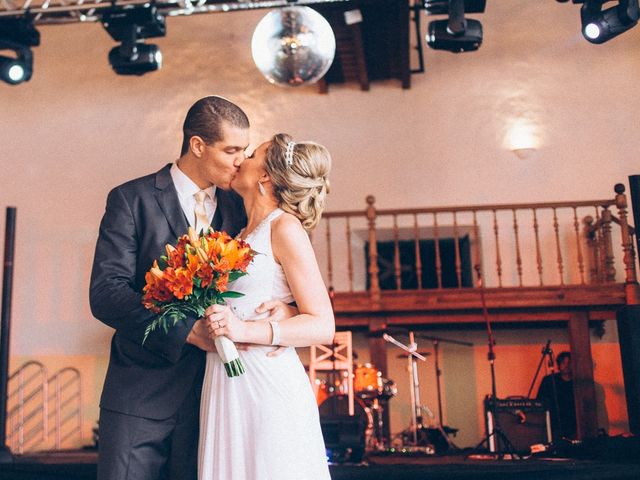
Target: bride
264	424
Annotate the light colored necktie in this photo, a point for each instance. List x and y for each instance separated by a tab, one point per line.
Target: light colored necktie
202	220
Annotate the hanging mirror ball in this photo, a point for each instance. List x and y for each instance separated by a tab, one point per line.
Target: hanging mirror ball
293	46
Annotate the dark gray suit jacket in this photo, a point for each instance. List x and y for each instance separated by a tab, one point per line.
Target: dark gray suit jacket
141	217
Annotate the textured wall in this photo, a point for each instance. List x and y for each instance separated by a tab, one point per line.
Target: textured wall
76	130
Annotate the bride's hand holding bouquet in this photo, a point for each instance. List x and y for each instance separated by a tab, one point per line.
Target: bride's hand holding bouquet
193	276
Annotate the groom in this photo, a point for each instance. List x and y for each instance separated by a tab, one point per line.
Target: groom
151	397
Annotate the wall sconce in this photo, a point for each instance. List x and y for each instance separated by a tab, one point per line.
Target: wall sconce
524	153
522	139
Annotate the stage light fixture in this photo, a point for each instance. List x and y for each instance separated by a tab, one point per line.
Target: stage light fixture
130	26
457	34
16	70
17	36
599	26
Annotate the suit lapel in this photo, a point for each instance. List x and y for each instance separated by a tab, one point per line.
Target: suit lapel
169	203
229	214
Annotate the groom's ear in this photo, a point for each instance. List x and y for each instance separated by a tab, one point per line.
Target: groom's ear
196	145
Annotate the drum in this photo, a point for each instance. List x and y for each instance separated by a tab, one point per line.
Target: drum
367	381
346	438
334	385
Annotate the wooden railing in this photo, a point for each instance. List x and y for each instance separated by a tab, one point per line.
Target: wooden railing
515	245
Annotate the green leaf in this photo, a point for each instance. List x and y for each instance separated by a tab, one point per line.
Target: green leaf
236	274
231	294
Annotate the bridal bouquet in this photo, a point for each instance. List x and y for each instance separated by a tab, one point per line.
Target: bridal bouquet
192	276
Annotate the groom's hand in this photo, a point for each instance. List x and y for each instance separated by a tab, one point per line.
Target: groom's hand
198	336
277	311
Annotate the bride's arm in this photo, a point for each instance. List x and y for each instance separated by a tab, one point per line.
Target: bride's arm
314	324
292	248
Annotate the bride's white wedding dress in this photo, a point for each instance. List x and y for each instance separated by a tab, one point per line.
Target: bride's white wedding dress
264	424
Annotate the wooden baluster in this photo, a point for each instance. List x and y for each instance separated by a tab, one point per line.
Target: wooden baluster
599	246
476	243
498	258
436	242
397	266
607	247
329	260
374	284
556	228
518	255
627	245
349	256
576	227
456	244
416	237
590	236
536	229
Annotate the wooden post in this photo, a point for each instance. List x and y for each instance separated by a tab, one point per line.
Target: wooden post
608	267
583	382
374	284
592	248
631	281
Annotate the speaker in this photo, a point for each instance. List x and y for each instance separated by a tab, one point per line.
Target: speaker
523	421
343	438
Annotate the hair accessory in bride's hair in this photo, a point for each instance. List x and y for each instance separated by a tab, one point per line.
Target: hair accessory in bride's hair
288	155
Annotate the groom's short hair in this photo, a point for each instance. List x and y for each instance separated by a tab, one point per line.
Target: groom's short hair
205	119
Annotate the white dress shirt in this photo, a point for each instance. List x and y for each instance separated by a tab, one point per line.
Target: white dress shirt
186	189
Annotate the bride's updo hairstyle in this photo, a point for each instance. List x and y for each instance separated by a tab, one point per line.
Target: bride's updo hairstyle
298	173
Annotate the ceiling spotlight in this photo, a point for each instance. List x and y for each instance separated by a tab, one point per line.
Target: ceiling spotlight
17	36
130	26
135	59
599	26
16	70
457	34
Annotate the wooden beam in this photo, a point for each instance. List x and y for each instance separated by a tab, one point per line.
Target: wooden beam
597	297
405	60
583	382
358	51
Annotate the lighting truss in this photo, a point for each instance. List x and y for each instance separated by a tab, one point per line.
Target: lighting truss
63	11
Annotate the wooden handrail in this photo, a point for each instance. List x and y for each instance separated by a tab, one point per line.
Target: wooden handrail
471	208
541	241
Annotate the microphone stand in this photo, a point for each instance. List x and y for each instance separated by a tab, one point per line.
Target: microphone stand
416	417
546	350
493	401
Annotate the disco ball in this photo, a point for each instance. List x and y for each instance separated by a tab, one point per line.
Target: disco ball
293	46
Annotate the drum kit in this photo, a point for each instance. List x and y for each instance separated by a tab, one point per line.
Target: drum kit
372	393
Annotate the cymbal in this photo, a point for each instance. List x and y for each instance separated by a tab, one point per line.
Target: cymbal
405	355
